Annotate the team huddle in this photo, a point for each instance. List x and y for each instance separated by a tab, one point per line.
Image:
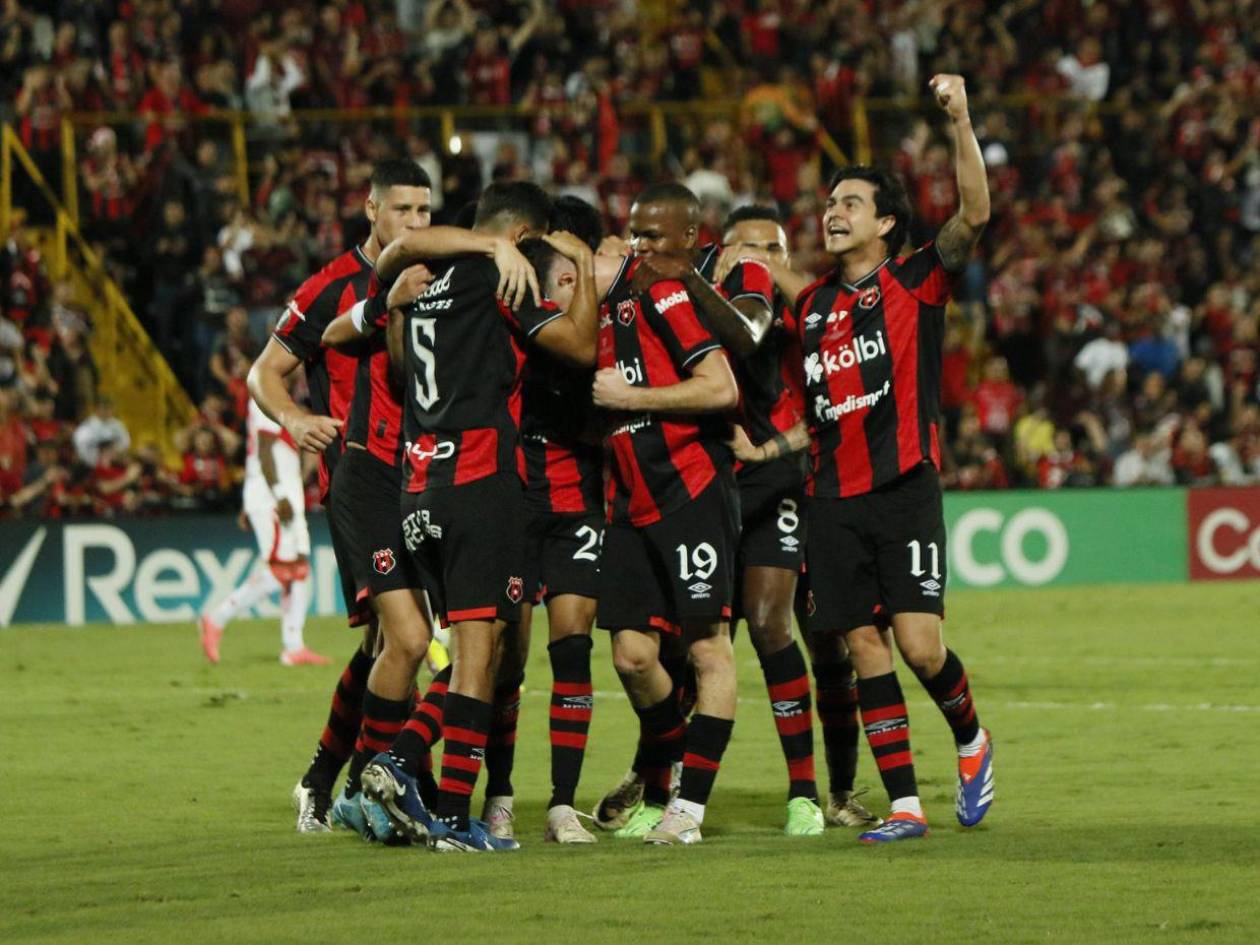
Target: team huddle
657	440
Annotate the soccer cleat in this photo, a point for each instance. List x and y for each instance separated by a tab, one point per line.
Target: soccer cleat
476	839
312	808
614	810
303	657
211	634
898	826
395	790
676	828
642	820
975	784
496	813
845	810
804	818
563	826
347	813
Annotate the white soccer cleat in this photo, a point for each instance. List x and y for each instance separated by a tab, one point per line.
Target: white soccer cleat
677	828
497	814
563	826
845	810
612	812
312	810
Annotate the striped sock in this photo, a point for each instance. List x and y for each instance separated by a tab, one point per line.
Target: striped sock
707	737
837	704
423	728
887	727
383	719
787	681
501	744
466	730
951	692
337	742
662	735
572	701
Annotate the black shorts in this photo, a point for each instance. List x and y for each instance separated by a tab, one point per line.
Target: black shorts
680	568
881	553
772	508
562	554
365	521
357	611
468	544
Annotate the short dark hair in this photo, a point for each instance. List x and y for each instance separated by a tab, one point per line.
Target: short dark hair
670	192
515	200
890	199
579	218
541	255
398	172
752	211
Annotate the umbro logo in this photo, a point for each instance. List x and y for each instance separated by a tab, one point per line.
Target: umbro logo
786	707
812	319
789	541
931	588
700	590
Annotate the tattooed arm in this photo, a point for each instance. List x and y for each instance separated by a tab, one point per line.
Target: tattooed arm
961	232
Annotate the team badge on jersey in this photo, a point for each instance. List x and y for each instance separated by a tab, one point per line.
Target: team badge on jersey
625	311
869	297
515	590
383	560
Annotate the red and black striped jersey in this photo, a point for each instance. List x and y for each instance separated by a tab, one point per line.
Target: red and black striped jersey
872	360
657	463
563	462
772	399
462	385
329	373
375	420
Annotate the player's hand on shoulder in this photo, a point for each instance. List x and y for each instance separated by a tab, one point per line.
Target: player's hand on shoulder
654	269
951	94
612	391
517	278
314	433
409	286
732	256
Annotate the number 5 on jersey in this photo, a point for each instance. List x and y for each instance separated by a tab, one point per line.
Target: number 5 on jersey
422	345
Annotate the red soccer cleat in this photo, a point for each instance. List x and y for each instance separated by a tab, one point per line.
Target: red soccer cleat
303	657
211	633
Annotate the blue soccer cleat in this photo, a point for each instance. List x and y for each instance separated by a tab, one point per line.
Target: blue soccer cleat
395	791
898	826
975	784
476	839
347	813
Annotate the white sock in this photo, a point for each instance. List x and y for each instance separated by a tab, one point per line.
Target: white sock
972	748
908	805
261	583
293	614
690	807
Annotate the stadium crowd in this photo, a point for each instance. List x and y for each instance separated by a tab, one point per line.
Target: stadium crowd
1106	333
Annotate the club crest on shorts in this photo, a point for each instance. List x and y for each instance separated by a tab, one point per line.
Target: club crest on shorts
383	560
515	590
625	312
869	297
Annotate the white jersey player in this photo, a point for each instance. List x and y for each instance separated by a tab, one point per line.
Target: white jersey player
273	503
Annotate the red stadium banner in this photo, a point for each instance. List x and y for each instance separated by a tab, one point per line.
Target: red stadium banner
1224	533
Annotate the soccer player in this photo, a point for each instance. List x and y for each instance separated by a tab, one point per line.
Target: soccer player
871	333
667	569
398	201
463	345
274	505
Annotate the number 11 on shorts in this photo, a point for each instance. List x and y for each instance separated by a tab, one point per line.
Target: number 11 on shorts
916	559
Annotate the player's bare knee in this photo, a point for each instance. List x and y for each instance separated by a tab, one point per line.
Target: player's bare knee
769	635
712	655
633	655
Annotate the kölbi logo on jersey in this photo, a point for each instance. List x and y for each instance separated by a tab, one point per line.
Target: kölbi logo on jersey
857	351
632	371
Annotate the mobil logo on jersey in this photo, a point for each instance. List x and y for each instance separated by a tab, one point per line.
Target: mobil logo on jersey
857	350
1224	533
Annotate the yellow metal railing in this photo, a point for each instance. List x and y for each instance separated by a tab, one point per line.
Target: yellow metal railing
132	372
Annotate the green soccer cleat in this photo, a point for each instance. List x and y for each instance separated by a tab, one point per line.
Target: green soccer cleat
643	819
804	818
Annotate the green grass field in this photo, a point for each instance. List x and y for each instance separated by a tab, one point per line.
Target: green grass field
146	799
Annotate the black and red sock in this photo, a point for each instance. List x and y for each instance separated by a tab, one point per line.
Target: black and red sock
383	719
951	692
501	744
572	701
787	681
837	704
423	728
662	735
466	729
707	738
341	731
887	727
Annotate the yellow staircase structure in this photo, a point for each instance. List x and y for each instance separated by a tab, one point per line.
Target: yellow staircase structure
147	396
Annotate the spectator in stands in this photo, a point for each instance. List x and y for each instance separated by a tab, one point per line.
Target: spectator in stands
73	375
996	399
98	430
14	441
205	477
175	255
1147	463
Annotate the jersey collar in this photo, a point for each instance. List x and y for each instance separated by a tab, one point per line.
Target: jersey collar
853	286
